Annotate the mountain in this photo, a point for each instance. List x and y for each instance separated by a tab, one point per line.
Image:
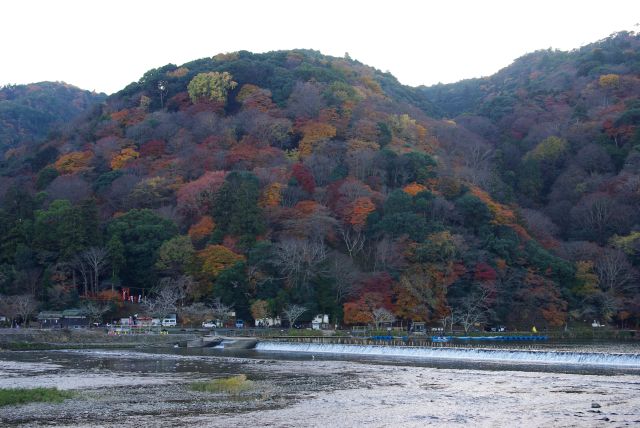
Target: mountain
266	180
28	113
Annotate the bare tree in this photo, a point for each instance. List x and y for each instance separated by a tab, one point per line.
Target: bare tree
382	315
221	311
96	260
615	272
185	283
300	259
472	310
165	300
80	265
293	312
314	227
448	319
353	240
195	312
345	276
95	311
476	158
25	305
389	254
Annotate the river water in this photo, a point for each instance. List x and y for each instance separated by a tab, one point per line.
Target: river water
331	385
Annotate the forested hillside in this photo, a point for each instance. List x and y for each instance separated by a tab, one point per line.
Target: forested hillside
267	180
557	133
28	113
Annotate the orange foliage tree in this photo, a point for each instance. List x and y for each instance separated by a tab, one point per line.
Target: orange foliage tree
252	96
120	159
376	292
502	215
216	258
312	132
73	162
202	229
414	188
359	210
422	291
539	301
271	195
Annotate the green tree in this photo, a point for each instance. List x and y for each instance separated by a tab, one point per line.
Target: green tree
175	256
141	232
115	248
61	231
232	287
475	213
236	209
212	86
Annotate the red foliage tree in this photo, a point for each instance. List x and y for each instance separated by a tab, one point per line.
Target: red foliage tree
195	198
484	273
304	177
153	149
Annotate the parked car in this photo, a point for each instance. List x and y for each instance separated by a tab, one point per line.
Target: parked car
239	324
209	324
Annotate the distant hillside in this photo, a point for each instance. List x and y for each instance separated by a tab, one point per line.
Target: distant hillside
29	112
562	130
290	177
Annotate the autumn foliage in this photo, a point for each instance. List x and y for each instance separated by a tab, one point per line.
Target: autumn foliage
124	156
268	180
216	258
73	162
201	229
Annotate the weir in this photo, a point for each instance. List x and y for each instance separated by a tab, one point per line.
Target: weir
470	354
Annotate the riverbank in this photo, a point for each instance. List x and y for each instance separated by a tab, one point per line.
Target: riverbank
45	339
132	389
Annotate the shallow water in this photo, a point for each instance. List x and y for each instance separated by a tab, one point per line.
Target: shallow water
150	388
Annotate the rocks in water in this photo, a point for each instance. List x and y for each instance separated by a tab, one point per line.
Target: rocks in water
595	405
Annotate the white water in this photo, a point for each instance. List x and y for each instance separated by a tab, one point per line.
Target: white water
490	355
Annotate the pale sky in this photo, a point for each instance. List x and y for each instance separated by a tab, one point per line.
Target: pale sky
104	45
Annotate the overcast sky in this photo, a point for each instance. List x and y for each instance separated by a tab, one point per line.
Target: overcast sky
104	45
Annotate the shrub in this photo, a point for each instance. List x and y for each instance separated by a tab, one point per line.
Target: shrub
14	396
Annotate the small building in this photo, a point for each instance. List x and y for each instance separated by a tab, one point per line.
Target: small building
75	318
320	322
419	328
269	322
50	319
70	318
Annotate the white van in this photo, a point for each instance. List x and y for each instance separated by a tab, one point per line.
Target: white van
170	321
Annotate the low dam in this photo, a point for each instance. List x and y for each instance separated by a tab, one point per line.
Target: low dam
542	356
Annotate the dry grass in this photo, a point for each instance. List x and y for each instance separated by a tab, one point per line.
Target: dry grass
233	385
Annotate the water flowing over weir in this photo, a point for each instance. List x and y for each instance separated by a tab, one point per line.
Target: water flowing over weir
469	354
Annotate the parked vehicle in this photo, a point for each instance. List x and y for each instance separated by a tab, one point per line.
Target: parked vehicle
239	324
209	324
170	321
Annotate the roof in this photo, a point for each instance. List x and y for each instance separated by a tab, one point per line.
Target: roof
49	315
68	313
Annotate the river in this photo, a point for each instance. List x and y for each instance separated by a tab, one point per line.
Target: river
317	385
